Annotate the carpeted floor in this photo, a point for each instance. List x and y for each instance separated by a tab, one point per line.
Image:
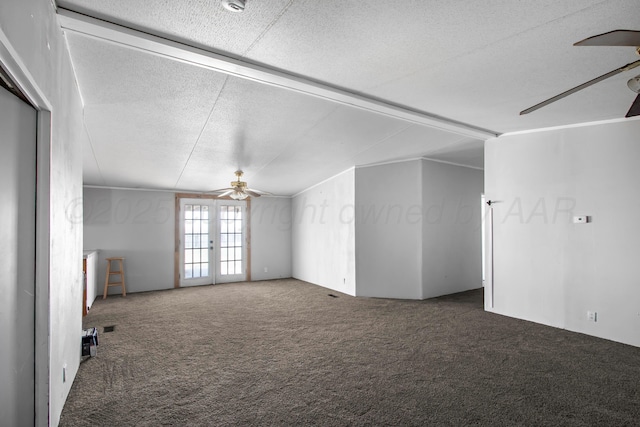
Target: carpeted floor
284	352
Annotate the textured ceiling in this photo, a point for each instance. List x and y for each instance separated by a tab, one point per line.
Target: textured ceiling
155	122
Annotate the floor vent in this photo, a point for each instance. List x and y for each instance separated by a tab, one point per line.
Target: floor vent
109	328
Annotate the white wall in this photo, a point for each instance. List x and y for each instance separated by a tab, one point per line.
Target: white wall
452	243
31	27
389	230
323	235
547	269
418	229
138	225
270	238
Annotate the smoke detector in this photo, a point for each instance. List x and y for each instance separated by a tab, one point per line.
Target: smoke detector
236	6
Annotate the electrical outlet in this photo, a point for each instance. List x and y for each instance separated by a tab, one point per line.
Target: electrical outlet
592	316
266	269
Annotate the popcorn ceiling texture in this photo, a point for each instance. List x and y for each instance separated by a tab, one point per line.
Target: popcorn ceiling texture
158	123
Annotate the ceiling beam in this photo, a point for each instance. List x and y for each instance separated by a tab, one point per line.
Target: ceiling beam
92	27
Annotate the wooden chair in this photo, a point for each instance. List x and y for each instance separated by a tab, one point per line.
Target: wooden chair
120	272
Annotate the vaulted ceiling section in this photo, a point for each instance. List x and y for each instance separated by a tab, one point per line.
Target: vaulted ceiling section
178	95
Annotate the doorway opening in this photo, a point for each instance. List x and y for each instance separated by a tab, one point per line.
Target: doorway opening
487	250
483	211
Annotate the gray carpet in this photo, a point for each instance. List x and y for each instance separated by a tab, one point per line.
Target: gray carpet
286	353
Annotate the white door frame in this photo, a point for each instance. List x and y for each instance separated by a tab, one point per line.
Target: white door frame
21	76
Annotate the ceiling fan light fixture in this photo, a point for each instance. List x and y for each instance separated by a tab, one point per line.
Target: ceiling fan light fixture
238	195
634	84
239	190
236	6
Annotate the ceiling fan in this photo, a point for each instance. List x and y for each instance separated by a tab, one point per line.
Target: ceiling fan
612	38
239	190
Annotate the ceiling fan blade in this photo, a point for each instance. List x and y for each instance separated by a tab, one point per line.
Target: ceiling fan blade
226	193
582	86
635	108
612	38
260	192
220	190
252	193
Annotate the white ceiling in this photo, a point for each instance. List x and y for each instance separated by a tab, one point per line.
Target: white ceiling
161	123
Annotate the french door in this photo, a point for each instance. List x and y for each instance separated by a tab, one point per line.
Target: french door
213	241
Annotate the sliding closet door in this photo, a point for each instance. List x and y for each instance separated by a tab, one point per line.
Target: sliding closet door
17	252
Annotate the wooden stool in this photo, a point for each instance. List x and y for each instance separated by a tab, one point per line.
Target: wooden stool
120	272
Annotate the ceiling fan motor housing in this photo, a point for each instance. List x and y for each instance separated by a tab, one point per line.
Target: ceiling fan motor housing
236	6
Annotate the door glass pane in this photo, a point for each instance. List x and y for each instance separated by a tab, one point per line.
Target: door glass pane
196	241
231	240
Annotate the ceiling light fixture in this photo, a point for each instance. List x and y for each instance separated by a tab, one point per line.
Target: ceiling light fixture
634	84
236	6
237	195
239	190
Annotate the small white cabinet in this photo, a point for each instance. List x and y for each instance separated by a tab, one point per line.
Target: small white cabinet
90	268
